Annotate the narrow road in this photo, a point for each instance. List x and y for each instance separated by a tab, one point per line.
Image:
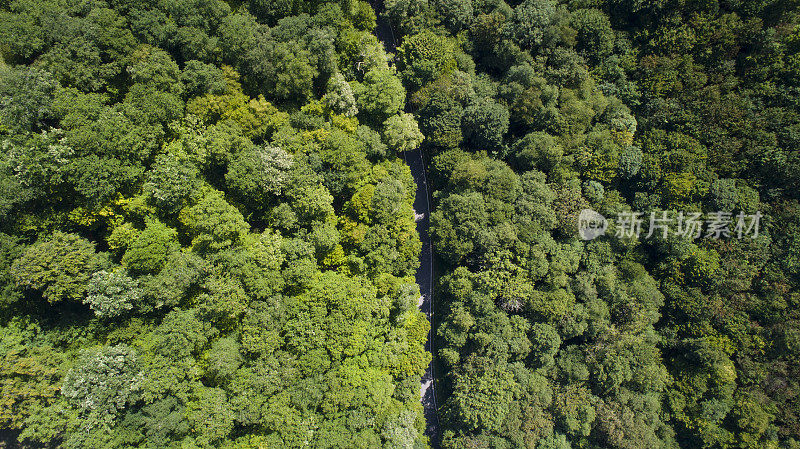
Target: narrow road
424	276
424	279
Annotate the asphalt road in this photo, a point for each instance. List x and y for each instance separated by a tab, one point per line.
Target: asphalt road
424	277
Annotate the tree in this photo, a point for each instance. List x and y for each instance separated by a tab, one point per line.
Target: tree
222	360
58	267
484	124
457	14
380	95
214	223
30	376
111	294
99	179
102	383
538	150
285	69
172	179
425	57
258	174
182	272
531	21
595	35
152	247
155	67
458	225
200	78
440	117
402	133
482	397
26	97
210	414
340	96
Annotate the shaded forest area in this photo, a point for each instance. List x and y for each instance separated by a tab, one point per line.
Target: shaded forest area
533	111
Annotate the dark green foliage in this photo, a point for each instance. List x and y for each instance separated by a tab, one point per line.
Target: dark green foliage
612	106
484	124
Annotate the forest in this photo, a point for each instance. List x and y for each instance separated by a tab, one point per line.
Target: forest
208	240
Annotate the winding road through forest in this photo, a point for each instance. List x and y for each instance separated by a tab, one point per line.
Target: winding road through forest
416	162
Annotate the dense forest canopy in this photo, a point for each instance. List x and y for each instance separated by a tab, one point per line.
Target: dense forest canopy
207	233
536	110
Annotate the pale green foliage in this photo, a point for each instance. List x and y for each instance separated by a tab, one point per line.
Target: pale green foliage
113	293
223	359
531	20
340	96
102	383
401	432
310	202
26	97
402	132
258	173
214	222
172	180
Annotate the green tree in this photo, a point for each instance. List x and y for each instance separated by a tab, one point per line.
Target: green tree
214	223
259	173
151	248
339	96
595	35
484	124
58	267
424	57
26	97
111	294
102	384
171	180
402	133
380	95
